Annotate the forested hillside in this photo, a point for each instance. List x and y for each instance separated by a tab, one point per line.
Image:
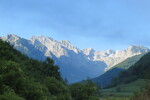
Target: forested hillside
131	84
22	78
105	79
140	70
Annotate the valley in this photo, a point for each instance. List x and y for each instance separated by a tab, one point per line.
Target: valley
74	49
126	80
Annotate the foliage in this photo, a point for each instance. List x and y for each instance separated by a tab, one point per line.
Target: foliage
22	78
10	96
54	87
125	90
144	96
84	91
139	70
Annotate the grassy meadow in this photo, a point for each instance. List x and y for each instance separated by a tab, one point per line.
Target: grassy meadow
124	92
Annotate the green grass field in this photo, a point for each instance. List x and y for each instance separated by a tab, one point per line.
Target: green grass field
124	92
115	98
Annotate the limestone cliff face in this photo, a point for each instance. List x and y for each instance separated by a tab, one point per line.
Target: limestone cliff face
111	57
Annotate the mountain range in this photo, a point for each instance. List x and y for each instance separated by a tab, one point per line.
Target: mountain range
106	78
75	64
133	82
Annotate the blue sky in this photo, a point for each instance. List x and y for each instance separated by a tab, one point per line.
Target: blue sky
100	24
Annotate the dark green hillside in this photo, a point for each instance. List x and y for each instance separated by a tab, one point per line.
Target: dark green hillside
131	84
25	78
106	78
140	70
22	78
128	62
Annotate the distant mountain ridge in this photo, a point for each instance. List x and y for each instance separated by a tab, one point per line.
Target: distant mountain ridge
140	70
75	64
111	57
106	78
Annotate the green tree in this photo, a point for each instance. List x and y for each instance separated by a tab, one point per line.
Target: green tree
84	91
57	88
51	69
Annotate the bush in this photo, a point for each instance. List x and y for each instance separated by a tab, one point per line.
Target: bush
84	91
10	96
57	88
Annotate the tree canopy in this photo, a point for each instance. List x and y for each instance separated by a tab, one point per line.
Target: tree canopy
22	78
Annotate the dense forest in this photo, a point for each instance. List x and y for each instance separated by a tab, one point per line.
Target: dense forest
22	78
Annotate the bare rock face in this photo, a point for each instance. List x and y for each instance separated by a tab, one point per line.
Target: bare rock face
75	64
55	47
111	57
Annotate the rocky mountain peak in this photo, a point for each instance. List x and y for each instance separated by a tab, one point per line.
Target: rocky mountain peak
88	51
62	50
11	37
110	52
55	47
65	42
135	49
68	45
